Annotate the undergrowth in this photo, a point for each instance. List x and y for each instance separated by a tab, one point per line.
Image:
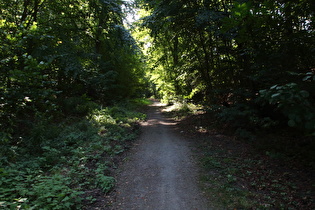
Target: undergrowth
179	110
238	179
259	168
55	164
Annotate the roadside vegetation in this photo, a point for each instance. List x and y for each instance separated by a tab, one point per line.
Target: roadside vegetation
249	62
67	67
252	171
68	71
250	66
63	165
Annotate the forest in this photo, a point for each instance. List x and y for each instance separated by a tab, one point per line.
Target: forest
256	59
74	76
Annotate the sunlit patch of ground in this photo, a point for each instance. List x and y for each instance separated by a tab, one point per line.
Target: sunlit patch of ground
155	122
178	107
158	104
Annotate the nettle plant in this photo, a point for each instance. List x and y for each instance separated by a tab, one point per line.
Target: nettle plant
294	103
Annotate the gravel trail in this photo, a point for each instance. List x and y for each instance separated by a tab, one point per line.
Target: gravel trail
161	172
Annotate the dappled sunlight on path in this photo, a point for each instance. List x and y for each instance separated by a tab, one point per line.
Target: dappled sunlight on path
161	172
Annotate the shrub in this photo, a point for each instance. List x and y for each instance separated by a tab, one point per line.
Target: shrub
32	189
294	103
242	116
54	162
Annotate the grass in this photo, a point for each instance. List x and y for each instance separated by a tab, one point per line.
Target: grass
58	164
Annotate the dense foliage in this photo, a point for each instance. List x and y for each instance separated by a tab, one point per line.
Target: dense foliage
253	59
61	64
57	56
251	62
72	162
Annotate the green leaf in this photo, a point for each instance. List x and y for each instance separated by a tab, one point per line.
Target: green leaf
307	78
291	123
273	87
66	199
304	93
275	95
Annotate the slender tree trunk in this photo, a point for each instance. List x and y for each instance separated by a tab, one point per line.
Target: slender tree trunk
25	10
206	71
36	7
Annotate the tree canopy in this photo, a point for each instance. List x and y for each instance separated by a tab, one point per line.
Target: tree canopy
55	55
254	57
64	67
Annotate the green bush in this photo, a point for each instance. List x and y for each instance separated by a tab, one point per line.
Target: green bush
32	189
55	162
242	116
53	192
106	183
78	105
293	103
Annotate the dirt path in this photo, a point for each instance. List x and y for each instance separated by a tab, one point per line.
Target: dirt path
161	172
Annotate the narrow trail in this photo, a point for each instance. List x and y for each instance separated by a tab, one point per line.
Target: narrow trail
161	172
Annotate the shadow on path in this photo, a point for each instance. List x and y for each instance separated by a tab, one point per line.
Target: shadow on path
161	172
